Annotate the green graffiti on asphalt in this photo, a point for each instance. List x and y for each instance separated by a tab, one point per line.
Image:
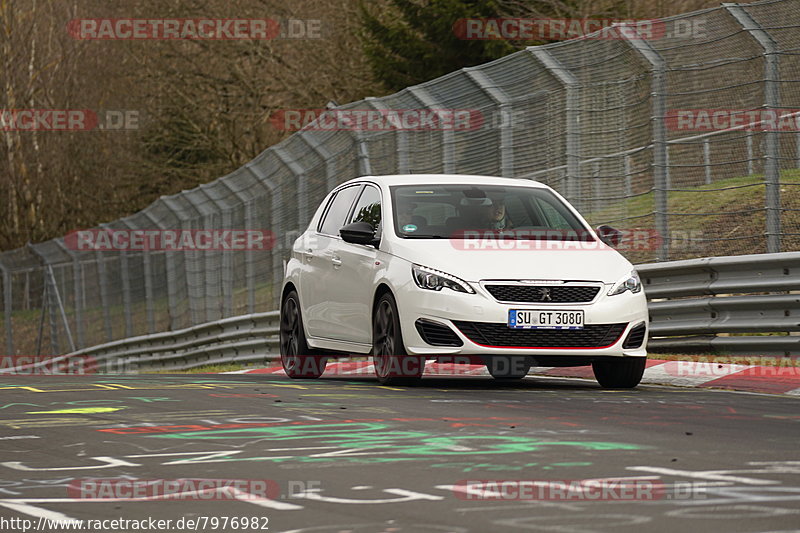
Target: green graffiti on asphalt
469	467
351	440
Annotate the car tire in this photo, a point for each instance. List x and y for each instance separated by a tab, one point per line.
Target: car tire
393	366
619	374
508	367
297	359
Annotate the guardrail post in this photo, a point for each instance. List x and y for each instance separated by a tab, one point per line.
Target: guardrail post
573	99
658	69
7	309
484	83
448	135
771	102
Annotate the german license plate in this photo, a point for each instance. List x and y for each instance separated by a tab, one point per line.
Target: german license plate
544	319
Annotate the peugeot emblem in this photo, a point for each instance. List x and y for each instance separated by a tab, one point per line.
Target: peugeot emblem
544	292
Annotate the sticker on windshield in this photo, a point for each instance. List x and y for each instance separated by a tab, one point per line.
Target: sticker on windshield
409	228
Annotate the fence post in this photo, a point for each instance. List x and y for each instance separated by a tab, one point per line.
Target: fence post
169	270
249	265
276	201
103	283
197	284
126	292
249	257
707	159
302	184
628	177
484	83
772	101
7	309
658	68
448	135
77	282
797	150
573	96
223	298
60	303
318	148
362	151
400	136
227	271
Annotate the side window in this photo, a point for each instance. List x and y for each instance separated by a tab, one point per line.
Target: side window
555	219
368	207
338	210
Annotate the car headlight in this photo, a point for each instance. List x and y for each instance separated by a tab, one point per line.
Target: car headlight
631	282
434	280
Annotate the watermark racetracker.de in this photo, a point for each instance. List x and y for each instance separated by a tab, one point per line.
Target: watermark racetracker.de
561	29
203	28
178	240
70	120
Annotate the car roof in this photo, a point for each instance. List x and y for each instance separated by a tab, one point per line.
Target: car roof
460	179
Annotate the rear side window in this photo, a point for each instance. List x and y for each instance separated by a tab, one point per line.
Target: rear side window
338	210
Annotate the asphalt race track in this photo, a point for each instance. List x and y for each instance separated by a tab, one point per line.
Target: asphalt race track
346	455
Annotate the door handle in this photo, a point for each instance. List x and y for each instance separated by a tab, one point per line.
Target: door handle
336	260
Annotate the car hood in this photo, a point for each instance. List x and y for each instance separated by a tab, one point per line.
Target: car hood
534	260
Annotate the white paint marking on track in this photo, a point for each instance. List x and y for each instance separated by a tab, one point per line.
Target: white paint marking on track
238	495
23	507
711	475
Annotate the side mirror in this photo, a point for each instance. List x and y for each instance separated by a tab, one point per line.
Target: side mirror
359	233
609	235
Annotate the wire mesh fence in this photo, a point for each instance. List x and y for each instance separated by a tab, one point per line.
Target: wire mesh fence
686	139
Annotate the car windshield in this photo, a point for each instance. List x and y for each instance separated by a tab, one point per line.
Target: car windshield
459	211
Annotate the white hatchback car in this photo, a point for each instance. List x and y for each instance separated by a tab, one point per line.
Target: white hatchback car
496	271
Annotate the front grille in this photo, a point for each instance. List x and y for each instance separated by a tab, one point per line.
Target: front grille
495	334
635	338
437	334
543	293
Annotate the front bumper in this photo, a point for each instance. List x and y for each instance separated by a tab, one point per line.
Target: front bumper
479	321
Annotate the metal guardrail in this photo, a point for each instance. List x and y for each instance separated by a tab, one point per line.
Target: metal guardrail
712	304
242	339
695	305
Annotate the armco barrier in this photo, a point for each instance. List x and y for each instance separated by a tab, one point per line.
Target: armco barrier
709	304
242	339
748	304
